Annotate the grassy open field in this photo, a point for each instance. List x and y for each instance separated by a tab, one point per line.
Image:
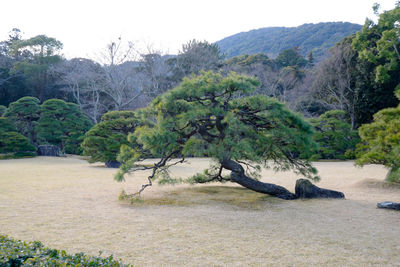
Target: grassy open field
69	204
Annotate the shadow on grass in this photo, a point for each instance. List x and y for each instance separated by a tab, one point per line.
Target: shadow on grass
205	195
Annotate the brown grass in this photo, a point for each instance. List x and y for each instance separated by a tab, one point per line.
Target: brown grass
69	204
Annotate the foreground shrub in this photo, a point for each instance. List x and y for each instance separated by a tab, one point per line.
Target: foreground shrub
19	253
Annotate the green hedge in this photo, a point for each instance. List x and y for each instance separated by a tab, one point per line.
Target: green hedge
19	253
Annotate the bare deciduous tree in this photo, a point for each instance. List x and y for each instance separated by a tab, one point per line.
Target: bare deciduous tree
123	82
334	85
157	71
84	80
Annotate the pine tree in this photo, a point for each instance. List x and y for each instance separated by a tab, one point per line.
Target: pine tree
214	116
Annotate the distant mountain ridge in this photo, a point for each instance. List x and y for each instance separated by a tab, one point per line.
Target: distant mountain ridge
317	38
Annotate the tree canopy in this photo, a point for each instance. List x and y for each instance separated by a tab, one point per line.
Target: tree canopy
203	116
379	43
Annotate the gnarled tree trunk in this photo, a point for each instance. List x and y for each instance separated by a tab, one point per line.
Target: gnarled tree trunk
238	176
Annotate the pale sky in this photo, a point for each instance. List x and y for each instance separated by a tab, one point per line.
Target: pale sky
85	27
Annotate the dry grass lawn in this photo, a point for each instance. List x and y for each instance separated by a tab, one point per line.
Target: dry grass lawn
69	204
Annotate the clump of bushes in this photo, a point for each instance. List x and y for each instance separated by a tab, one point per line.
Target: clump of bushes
103	141
62	124
2	109
334	136
19	253
381	141
26	123
12	143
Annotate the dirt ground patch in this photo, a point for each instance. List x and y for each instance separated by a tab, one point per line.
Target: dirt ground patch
69	204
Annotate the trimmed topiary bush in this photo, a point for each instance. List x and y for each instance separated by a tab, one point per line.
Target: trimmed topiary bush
13	144
2	110
102	142
24	114
6	125
19	253
62	124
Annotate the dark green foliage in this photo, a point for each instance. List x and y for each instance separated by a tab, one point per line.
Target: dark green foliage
12	86
334	136
378	48
24	114
54	122
103	141
16	145
203	116
6	125
248	60
291	57
36	56
2	110
13	144
15	253
62	124
317	38
381	141
379	43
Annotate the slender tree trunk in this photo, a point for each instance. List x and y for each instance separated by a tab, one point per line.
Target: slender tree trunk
238	176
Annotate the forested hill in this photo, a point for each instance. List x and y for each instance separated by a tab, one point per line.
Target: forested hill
272	40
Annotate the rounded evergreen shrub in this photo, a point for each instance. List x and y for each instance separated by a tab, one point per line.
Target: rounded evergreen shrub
103	141
24	114
2	110
62	124
15	145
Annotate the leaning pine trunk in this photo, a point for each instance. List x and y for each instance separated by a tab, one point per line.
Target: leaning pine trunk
238	176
